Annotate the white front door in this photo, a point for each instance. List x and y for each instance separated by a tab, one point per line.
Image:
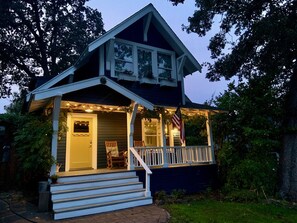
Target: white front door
81	148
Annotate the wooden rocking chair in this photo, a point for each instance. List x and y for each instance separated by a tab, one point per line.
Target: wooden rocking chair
114	157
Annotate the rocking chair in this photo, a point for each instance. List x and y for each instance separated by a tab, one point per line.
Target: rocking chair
114	157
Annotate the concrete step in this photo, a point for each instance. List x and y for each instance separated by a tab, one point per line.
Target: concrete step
100	208
96	199
81	195
96	176
78	192
92	183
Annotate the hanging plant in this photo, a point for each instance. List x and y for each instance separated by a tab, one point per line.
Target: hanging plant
149	114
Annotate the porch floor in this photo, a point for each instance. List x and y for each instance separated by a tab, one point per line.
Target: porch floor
89	172
107	170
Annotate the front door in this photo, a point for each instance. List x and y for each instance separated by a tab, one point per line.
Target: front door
81	141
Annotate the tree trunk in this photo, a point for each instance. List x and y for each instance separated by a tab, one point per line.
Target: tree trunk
288	162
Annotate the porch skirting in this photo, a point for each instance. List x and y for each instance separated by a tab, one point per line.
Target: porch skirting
192	179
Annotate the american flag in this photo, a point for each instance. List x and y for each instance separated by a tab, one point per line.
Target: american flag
179	124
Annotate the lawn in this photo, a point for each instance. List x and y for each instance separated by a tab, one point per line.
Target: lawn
212	211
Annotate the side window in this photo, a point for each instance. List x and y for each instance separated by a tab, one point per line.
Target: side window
123	58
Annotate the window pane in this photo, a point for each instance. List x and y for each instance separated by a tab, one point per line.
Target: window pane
166	74
164	61
123	67
123	51
144	63
150	131
81	127
164	65
123	58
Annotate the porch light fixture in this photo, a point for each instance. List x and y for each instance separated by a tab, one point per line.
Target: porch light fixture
89	110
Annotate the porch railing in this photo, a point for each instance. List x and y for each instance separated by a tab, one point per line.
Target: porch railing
140	162
176	155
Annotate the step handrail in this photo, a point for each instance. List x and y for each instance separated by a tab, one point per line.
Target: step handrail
148	172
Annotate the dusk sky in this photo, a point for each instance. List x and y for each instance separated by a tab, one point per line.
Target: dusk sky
197	87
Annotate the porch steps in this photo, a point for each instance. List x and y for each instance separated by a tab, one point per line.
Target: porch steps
75	196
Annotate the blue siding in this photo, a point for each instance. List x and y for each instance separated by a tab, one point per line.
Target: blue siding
135	33
193	179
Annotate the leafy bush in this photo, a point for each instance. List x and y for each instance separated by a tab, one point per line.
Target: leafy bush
32	142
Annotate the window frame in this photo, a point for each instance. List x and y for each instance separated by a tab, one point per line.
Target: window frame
155	79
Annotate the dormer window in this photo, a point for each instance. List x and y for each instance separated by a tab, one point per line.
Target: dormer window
123	54
146	64
164	66
145	68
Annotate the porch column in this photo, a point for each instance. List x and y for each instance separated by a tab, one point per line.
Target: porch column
210	137
163	142
55	118
130	131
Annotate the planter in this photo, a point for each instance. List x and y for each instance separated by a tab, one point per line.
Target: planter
42	186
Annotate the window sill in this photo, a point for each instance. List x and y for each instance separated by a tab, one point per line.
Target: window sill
167	82
126	77
145	80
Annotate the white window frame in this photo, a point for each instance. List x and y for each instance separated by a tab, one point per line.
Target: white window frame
158	130
155	51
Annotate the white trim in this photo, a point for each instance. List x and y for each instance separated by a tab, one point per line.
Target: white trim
129	94
53	81
162	26
120	27
130	131
154	53
70	116
60	90
210	137
89	83
146	26
101	61
55	125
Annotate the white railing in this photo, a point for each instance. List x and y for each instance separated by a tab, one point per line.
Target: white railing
140	161
152	156
175	155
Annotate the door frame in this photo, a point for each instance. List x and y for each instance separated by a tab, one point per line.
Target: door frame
70	116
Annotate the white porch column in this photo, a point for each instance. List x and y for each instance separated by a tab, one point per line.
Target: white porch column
210	137
163	142
55	118
130	132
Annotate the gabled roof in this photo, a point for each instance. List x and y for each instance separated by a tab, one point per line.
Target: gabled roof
47	90
191	63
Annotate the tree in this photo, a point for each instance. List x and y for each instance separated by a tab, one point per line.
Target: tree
261	38
42	37
248	158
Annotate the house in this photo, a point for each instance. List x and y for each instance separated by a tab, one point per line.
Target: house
125	86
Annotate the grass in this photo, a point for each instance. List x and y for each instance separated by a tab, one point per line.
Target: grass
213	211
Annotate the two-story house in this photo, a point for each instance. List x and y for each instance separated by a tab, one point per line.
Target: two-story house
125	87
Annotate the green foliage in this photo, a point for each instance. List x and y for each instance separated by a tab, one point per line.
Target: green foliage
211	211
32	142
176	196
43	38
256	39
195	127
249	136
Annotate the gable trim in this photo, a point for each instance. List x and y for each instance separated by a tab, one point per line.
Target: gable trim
52	81
67	88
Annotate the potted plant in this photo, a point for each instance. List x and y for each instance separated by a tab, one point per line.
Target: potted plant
54	178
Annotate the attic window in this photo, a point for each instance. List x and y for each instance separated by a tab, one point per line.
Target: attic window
123	58
164	66
145	68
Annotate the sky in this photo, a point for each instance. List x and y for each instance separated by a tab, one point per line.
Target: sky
197	87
